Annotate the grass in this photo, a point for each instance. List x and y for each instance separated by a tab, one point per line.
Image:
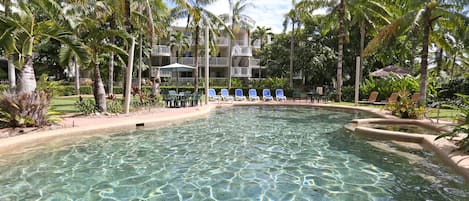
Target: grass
66	104
444	114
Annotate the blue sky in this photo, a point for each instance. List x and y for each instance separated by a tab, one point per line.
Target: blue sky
268	13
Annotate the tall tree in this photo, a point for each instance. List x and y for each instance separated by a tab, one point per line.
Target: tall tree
178	43
262	34
22	31
293	17
423	17
197	18
238	20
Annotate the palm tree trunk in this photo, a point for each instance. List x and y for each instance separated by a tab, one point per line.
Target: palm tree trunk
340	50
111	58
77	75
424	64
98	90
11	75
362	46
27	79
196	54
452	68
292	44
140	61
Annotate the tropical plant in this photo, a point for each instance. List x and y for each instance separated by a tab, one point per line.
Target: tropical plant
386	86
199	17
238	21
463	128
178	43
50	87
22	30
25	109
404	107
423	16
86	106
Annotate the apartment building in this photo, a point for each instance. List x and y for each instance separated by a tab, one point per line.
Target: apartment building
245	65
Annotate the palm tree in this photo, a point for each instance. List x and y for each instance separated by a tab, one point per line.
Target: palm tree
368	14
179	42
197	18
335	7
293	17
262	34
424	15
11	66
238	21
22	31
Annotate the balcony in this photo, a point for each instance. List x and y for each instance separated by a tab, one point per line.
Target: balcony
161	50
254	62
242	51
218	61
183	60
154	70
241	72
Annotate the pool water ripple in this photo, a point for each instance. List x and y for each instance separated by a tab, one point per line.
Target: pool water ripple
244	153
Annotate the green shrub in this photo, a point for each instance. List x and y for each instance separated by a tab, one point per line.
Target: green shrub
49	87
25	109
114	106
348	93
236	83
462	128
404	107
386	86
86	89
4	87
86	106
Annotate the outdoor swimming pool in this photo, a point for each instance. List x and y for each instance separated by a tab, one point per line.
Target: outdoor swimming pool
240	153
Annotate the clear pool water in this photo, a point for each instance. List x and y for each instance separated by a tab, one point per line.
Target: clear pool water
244	153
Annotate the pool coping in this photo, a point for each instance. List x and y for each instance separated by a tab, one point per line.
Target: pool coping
443	148
125	123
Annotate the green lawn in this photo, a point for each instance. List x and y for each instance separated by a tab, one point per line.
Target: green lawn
66	104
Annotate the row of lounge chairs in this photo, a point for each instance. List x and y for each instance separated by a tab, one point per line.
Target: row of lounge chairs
392	98
239	95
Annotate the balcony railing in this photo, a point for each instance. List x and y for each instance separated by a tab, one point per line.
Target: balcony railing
242	51
254	62
153	71
183	60
241	72
161	50
214	61
219	61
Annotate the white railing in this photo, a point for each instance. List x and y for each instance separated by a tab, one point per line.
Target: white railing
219	61
153	71
242	51
256	43
241	72
254	62
161	50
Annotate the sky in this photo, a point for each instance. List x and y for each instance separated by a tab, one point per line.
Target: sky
268	13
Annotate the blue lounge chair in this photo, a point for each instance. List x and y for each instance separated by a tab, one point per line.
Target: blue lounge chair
225	95
239	95
279	95
253	95
212	95
266	95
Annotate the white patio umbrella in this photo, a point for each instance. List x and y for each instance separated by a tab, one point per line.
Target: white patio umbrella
177	67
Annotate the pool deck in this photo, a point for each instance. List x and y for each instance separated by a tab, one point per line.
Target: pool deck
91	125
